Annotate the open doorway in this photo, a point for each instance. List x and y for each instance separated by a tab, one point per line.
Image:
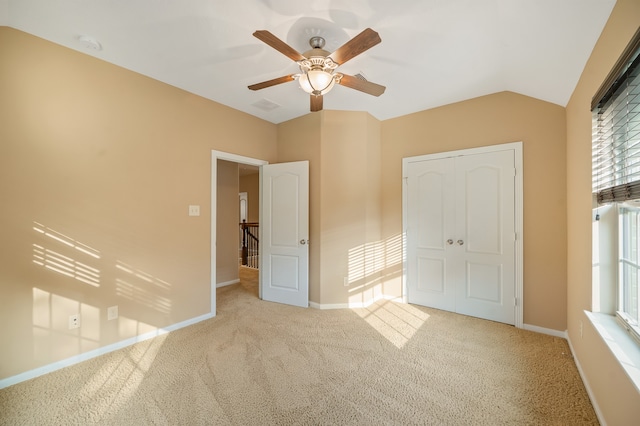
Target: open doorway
249	164
249	216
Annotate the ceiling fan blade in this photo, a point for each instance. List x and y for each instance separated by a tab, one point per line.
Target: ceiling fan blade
279	45
273	82
363	41
362	85
316	103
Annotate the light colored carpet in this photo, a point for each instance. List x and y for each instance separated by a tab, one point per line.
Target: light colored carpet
261	363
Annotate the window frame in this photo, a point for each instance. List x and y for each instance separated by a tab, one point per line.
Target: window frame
614	183
626	250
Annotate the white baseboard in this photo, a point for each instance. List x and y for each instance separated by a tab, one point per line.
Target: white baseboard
31	374
325	306
594	403
353	305
226	283
549	331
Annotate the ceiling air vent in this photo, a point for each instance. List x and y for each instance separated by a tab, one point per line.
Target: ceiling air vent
266	105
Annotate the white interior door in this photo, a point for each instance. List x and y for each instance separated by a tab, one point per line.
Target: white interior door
284	229
460	234
485	236
431	219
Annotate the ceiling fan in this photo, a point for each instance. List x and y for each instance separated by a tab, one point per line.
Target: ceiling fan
318	67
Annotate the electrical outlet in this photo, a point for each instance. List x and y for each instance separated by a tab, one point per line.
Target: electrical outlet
346	281
112	313
74	321
194	210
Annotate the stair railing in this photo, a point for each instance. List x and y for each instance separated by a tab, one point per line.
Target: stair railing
250	253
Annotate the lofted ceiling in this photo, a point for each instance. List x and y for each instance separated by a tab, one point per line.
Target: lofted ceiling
433	52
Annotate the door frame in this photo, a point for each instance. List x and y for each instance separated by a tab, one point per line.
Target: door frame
215	156
519	224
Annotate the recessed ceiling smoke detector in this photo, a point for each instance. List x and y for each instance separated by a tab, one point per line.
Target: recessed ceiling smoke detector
90	42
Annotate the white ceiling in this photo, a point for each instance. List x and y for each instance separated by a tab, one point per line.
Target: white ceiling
433	52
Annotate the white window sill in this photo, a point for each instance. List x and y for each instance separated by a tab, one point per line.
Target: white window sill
623	346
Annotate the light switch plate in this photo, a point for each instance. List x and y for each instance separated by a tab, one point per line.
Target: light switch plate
112	313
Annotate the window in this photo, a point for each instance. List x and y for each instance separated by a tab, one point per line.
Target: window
629	261
616	177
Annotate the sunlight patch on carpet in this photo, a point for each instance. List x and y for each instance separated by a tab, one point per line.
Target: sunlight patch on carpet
394	321
120	377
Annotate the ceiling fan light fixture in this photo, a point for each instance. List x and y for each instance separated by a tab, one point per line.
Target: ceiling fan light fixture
317	82
318	67
318	76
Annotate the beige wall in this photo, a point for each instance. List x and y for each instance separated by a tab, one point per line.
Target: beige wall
616	396
227	218
350	208
97	168
489	120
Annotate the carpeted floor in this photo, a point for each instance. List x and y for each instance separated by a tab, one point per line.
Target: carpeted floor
261	363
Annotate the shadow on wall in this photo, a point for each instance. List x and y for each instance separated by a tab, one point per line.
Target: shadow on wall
371	267
120	284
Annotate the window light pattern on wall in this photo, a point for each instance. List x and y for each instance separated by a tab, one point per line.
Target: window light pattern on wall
60	253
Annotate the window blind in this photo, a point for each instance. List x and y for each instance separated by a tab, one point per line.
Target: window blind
616	130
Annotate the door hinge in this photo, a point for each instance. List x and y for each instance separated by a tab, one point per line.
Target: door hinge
515	301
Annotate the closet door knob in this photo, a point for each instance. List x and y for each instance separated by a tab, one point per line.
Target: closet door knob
449	241
460	242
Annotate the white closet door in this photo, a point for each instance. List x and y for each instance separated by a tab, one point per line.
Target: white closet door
460	234
431	218
485	220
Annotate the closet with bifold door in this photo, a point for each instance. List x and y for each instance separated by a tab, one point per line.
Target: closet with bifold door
460	219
